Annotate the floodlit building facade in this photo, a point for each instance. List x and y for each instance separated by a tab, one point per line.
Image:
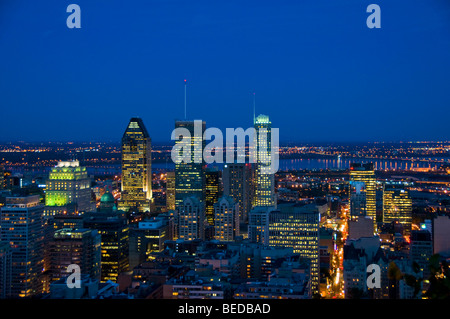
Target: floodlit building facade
68	190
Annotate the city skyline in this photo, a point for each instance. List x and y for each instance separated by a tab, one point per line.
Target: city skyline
315	240
315	69
222	151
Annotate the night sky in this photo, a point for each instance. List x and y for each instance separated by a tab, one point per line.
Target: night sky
318	71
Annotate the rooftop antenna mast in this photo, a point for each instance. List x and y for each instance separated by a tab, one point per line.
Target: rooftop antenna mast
254	108
185	99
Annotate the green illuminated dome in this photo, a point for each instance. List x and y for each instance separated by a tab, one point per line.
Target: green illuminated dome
107	198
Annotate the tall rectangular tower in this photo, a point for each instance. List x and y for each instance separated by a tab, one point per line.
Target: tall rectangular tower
190	175
421	249
75	246
397	206
226	219
364	174
212	193
114	232
191	217
238	184
265	182
170	191
22	226
297	226
136	167
258	224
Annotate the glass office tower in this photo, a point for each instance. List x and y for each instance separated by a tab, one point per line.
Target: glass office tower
265	182
212	192
297	226
136	189
190	175
114	232
397	206
363	175
22	226
170	191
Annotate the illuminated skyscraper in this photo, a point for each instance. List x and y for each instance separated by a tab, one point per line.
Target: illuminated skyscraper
136	167
212	192
190	175
297	226
238	184
191	218
258	224
114	231
397	206
170	191
226	219
21	225
362	178
75	246
265	182
68	189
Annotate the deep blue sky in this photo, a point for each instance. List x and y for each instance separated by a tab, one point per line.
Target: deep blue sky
317	70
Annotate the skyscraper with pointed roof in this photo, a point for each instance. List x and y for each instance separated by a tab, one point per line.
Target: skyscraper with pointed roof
136	190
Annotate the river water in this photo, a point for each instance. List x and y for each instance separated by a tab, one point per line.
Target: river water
331	164
284	165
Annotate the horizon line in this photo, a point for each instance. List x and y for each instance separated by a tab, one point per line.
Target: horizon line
281	141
